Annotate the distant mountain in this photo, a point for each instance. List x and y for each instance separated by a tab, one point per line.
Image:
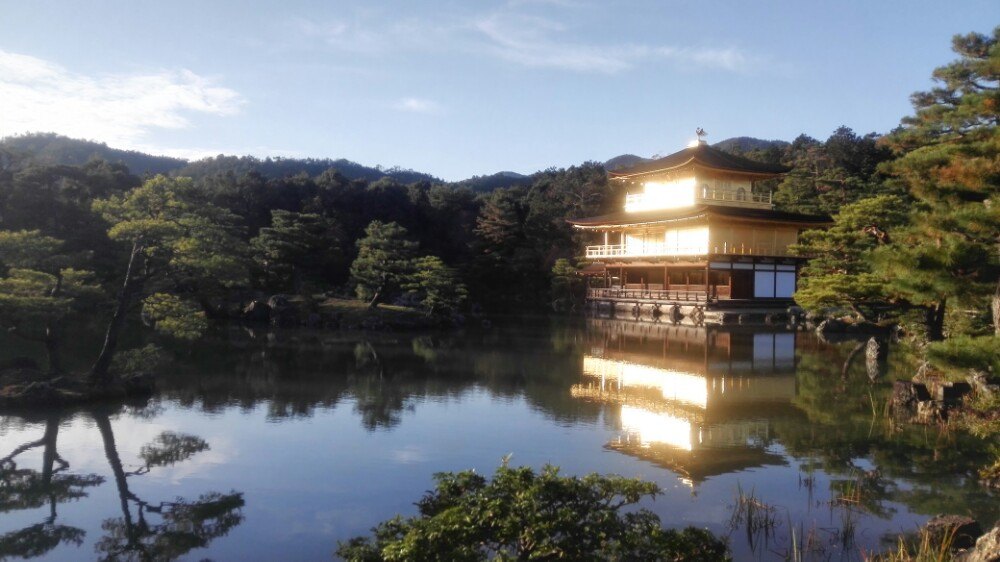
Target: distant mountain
53	149
742	145
623	161
284	167
499	180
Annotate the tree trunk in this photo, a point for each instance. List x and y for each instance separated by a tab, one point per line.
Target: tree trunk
934	319
49	454
52	349
52	334
115	462
48	462
995	306
99	373
375	299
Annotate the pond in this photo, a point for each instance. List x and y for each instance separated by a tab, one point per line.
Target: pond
275	445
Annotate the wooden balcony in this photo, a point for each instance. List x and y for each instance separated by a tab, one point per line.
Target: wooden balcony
660	250
689	294
730	197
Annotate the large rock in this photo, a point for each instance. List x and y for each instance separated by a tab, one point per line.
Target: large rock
986	549
963	530
905	397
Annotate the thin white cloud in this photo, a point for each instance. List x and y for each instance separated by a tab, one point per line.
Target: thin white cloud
417	105
120	109
533	42
371	33
512	34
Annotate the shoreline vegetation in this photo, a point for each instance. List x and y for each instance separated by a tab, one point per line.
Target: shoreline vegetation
913	251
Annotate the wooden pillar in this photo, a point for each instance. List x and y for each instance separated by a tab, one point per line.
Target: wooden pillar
706	279
666	277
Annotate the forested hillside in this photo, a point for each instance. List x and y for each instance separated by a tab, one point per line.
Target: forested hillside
56	150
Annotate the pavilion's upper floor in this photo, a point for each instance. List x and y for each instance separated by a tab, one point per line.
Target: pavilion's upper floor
699	174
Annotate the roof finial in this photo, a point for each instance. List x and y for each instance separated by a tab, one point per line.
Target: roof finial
701	134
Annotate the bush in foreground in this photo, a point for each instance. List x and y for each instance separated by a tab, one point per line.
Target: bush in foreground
521	515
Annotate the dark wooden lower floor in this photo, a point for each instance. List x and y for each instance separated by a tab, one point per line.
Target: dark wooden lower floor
756	279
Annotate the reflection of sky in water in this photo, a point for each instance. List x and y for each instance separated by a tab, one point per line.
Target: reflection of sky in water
312	480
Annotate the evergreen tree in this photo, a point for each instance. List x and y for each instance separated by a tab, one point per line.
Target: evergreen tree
180	249
840	273
296	248
384	262
437	285
949	160
39	287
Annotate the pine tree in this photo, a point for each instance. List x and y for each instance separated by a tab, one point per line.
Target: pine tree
437	285
297	247
180	246
840	274
39	287
949	160
384	262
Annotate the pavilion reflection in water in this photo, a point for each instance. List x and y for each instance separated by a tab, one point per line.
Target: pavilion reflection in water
696	400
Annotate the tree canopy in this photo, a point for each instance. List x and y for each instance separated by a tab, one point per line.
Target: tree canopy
524	515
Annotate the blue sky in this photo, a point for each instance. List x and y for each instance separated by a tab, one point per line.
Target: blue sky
460	88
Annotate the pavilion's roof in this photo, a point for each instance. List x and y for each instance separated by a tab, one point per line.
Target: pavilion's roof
700	464
625	218
705	156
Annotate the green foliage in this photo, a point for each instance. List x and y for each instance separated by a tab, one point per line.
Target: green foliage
839	274
958	354
521	515
39	288
177	232
181	248
170	448
828	175
567	287
174	316
27	249
949	160
437	286
296	248
384	262
137	360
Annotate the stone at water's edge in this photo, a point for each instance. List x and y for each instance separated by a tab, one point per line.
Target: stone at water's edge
987	548
964	530
905	398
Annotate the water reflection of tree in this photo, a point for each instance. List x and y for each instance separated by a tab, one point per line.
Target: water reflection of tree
846	422
168	529
295	372
22	488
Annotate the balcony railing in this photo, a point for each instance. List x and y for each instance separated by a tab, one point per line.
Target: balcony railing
660	249
737	197
631	294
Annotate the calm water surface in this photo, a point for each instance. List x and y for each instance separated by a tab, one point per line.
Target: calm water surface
274	446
